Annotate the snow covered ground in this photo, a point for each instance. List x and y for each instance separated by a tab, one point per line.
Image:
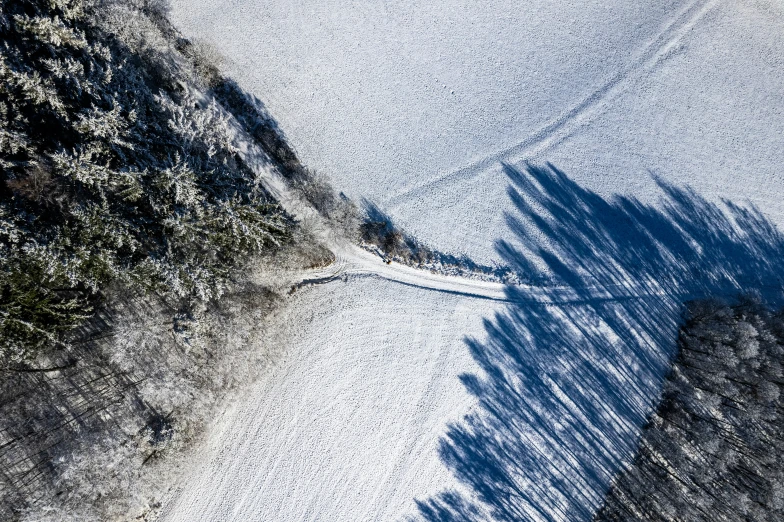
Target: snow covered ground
431	110
346	424
414	104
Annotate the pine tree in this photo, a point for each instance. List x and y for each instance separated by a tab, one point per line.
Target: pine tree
113	170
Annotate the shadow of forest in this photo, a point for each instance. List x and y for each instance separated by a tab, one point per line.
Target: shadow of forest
571	371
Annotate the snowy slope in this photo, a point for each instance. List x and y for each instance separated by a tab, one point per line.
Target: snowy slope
431	109
368	384
706	110
346	424
608	92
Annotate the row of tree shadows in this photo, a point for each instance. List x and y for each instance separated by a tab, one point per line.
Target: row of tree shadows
571	371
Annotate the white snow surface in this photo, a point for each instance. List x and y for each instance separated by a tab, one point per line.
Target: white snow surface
345	426
424	108
414	105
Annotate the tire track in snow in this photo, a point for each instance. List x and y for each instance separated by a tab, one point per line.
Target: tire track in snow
578	116
354	262
351	261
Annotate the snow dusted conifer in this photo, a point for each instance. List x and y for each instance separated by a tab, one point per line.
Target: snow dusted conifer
118	177
713	450
123	172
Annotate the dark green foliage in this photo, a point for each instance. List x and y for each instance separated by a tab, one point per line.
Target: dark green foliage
713	450
34	314
112	170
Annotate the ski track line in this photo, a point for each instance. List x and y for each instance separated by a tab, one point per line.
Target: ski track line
580	115
351	261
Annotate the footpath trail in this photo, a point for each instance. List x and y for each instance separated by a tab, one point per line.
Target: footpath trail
352	261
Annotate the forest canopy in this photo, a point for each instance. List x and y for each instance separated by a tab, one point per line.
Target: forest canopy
712	451
113	171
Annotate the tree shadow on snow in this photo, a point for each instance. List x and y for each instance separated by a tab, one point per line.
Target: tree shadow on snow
570	371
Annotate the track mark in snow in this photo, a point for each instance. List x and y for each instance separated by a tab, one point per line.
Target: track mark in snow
580	115
352	261
312	282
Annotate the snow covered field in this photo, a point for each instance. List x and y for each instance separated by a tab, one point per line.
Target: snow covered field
414	104
431	110
346	425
